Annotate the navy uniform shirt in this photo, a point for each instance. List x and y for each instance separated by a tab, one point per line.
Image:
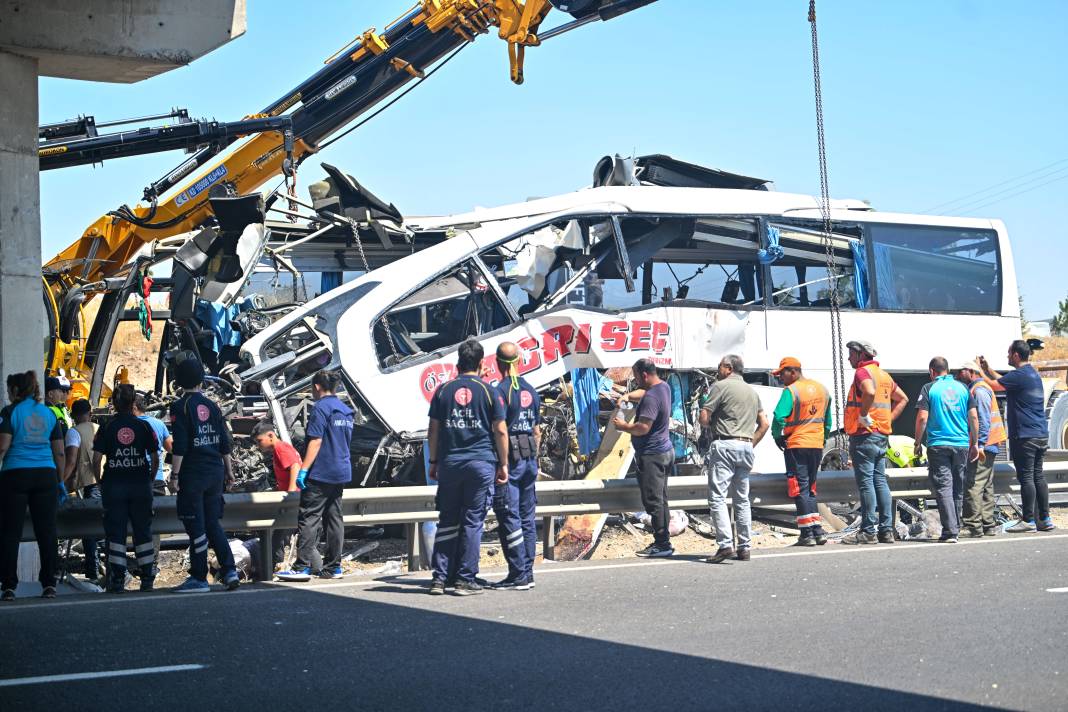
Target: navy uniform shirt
331	421
127	443
467	408
200	434
522	407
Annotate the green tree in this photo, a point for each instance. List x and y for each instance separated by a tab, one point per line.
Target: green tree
1023	319
1059	325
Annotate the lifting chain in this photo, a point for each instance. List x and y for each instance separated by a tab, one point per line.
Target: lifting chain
837	349
367	270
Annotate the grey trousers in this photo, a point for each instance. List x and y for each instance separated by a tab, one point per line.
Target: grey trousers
979	493
727	466
945	470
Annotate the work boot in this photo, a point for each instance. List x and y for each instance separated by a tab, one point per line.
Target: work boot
467	588
860	537
720	556
743	554
973	533
886	536
806	540
991	531
48	592
437	588
148	584
7	595
821	539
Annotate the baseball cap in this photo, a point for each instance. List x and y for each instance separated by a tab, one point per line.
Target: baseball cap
53	383
190	373
971	366
788	362
861	345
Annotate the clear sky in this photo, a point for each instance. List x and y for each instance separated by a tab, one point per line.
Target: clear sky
926	103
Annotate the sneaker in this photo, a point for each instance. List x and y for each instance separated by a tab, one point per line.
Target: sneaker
860	537
7	595
821	539
294	575
806	541
720	556
48	592
991	531
947	539
973	533
467	588
655	551
1021	527
231	580
334	573
482	582
1046	525
193	585
520	583
147	585
450	586
886	537
743	554
437	588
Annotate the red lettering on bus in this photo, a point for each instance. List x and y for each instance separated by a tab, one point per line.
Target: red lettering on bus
555	342
661	330
528	347
582	339
641	335
614	335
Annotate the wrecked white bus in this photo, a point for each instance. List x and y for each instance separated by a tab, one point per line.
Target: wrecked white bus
603	276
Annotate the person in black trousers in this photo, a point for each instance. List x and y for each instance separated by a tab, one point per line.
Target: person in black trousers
31	447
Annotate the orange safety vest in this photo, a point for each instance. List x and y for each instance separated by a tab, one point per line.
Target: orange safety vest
997	434
880	409
804	427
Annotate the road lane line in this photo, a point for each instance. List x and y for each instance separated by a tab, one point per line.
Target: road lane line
1057	590
16	681
544	569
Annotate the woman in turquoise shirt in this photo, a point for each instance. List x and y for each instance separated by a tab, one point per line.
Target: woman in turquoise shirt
31	447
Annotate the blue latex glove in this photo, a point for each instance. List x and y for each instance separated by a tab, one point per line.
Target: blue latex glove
61	493
301	477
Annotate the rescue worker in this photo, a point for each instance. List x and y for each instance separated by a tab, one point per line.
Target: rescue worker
1028	435
947	423
130	446
84	479
468	441
978	512
323	474
31	451
57	388
800	425
736	423
873	404
653	451
200	472
514	501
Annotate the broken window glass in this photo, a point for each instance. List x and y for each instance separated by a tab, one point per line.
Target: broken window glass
800	278
441	314
920	268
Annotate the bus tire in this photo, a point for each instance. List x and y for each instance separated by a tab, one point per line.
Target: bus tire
1058	423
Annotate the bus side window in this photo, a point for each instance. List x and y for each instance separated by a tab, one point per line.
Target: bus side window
921	268
800	278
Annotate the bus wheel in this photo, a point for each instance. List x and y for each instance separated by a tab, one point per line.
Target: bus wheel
1058	423
835	452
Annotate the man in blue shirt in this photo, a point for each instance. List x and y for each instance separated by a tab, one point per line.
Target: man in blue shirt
468	441
514	501
163	438
1028	434
324	472
950	428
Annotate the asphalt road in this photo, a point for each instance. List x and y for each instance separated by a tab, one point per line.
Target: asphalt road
903	627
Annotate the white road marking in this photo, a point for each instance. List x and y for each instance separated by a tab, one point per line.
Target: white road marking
548	569
1057	590
16	681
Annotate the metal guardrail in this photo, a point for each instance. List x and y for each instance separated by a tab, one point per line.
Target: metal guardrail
265	511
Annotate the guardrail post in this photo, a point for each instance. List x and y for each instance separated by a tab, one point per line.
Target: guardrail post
548	541
265	572
412	534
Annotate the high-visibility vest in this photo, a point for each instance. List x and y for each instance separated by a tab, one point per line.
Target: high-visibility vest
880	409
804	427
997	434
